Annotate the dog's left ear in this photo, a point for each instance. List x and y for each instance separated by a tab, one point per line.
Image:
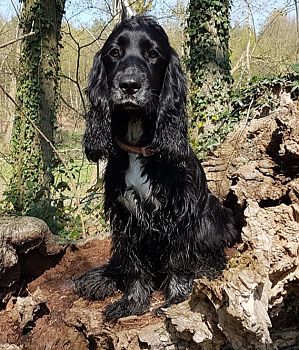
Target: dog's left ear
171	136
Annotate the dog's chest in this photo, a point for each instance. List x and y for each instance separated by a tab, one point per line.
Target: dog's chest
135	178
137	182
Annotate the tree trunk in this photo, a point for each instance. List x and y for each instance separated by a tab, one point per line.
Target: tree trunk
35	118
209	67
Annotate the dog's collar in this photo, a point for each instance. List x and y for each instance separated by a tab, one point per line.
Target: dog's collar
145	151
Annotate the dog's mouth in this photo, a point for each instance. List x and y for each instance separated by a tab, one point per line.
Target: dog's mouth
130	105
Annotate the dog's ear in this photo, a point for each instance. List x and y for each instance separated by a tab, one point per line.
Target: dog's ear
97	138
171	138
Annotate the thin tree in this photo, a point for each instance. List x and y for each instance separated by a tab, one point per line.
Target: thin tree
128	8
35	117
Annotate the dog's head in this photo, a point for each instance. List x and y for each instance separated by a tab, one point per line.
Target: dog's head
136	74
135	58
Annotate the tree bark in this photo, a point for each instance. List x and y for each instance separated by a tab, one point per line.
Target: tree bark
37	83
208	64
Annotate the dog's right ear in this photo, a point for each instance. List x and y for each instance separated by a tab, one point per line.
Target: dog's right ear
97	138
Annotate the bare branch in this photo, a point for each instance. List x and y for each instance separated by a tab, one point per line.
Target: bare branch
16	40
15	8
252	18
32	123
69	106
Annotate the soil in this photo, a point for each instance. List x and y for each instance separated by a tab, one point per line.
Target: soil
60	311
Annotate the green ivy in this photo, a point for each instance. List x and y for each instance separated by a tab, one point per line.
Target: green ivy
34	162
261	95
208	65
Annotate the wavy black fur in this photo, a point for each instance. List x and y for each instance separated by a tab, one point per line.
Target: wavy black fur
168	228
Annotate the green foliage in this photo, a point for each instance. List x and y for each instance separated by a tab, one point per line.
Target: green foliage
64	204
208	64
257	97
262	93
295	68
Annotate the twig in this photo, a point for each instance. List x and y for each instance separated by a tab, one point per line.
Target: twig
15	8
69	106
16	39
33	124
5	158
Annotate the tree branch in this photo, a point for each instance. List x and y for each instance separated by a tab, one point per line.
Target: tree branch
16	39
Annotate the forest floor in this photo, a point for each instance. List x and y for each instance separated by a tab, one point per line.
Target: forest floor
52	305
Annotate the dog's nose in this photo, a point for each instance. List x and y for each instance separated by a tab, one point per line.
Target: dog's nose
130	85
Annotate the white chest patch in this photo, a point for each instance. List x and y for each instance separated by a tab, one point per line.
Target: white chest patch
138	184
135	179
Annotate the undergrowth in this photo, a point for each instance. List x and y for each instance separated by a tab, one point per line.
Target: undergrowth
256	98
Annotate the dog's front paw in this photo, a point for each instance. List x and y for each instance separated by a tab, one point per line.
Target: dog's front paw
125	307
95	284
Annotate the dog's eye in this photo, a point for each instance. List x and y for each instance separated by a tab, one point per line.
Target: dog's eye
114	53
153	54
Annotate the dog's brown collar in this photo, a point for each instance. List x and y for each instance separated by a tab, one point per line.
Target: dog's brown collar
145	151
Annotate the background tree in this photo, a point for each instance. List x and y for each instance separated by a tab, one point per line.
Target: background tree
277	44
267	52
35	117
209	66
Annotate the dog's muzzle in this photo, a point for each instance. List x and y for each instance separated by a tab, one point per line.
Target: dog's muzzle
130	88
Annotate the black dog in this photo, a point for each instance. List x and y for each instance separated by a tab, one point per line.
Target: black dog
167	228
